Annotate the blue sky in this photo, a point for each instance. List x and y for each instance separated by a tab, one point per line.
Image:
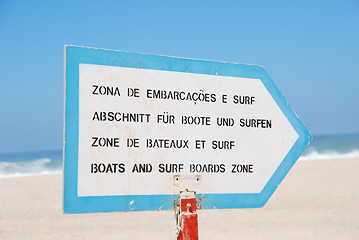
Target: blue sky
309	48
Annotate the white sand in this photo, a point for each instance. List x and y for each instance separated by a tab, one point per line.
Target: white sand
317	200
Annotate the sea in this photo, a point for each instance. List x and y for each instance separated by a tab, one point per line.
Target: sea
50	162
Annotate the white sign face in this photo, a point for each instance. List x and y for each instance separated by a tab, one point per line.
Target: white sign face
140	128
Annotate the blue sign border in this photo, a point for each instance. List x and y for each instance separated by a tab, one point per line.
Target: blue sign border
74	204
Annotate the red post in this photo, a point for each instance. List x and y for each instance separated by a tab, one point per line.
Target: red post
188	219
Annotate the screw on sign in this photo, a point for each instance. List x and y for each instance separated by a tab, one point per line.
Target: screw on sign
162	126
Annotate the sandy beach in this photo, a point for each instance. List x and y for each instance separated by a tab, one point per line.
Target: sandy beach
317	200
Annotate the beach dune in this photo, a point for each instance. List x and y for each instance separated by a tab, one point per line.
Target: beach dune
317	200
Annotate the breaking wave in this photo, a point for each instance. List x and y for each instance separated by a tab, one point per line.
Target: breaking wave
29	164
29	168
315	155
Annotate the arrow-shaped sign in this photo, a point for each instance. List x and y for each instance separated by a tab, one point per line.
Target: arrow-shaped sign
141	128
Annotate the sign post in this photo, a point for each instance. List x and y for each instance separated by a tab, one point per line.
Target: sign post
186	216
140	129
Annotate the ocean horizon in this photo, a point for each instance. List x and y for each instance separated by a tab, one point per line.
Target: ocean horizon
19	164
